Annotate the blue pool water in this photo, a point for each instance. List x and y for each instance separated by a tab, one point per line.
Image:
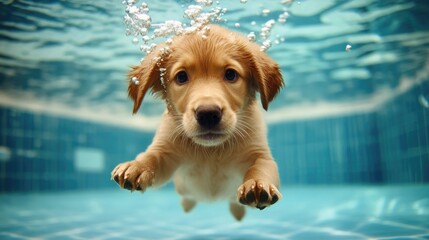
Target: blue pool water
349	132
352	212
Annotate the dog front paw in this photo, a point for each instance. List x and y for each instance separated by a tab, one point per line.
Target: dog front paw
133	175
257	193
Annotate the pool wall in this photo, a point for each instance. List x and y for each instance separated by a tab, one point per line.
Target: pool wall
42	152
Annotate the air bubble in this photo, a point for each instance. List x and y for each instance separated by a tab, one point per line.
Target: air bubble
193	11
287	2
237	25
283	17
206	29
161	77
270	23
251	36
139	23
164	52
146	39
135	80
152	46
144	18
133	9
243	1
348	47
135	40
266	29
265	45
143	31
205	2
265	12
143	48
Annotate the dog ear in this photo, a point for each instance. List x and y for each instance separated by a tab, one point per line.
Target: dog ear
144	77
267	76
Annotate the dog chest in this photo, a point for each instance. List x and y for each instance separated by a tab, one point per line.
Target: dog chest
208	181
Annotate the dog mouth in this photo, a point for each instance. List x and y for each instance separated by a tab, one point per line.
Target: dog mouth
210	136
210	139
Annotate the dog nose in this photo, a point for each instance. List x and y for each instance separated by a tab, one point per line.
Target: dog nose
208	116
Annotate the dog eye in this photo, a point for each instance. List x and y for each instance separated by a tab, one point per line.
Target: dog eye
181	77
230	75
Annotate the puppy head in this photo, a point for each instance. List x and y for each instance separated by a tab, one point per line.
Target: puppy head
208	82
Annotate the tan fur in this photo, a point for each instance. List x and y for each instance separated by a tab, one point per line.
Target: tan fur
236	165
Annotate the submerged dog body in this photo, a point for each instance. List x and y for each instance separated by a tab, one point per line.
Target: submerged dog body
211	139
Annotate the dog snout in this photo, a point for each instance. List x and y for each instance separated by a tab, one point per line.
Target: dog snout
208	116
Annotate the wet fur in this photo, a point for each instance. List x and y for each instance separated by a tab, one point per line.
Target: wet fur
237	166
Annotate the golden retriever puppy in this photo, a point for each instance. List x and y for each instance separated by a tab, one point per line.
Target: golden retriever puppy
212	138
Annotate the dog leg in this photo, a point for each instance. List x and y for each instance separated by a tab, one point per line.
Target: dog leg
188	204
146	170
237	210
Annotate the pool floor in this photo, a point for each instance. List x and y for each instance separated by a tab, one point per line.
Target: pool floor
346	212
